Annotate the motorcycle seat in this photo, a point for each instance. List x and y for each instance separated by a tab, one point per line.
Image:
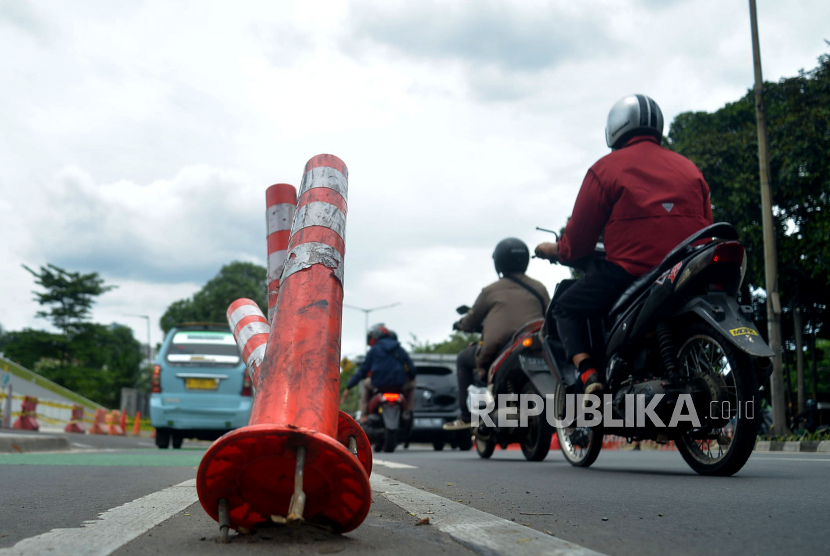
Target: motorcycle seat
721	230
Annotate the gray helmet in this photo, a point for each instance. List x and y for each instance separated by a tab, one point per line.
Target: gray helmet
633	115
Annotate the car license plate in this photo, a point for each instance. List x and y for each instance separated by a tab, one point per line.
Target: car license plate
429	423
201	383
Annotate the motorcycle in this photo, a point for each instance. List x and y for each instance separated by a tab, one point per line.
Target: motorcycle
677	332
518	369
387	425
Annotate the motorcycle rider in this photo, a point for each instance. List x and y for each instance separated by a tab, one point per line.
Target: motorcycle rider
645	200
508	304
387	366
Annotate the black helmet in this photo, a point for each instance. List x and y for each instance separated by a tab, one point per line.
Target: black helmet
630	116
511	255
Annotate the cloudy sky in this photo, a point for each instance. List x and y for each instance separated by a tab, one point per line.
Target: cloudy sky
137	138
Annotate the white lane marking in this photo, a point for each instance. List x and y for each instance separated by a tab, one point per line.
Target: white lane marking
479	531
393	464
790	459
113	528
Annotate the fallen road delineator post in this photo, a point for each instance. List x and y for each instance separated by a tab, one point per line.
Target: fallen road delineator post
280	204
299	458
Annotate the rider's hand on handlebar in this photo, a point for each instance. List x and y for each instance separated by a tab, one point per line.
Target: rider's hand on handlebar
548	251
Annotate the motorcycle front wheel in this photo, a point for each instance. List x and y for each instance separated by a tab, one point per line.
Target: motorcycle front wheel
580	445
726	441
485	448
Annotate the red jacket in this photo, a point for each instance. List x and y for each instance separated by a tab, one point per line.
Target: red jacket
647	198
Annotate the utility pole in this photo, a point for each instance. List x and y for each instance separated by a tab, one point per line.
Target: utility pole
779	409
366	313
799	356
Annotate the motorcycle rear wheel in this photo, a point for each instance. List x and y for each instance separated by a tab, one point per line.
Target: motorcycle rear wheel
390	440
536	442
580	446
705	353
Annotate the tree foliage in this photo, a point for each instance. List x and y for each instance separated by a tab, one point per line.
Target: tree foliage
69	296
724	145
210	304
456	342
94	360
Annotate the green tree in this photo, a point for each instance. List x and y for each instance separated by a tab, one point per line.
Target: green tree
69	296
724	145
456	342
210	304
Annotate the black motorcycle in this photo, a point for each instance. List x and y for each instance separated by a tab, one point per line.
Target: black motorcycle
679	332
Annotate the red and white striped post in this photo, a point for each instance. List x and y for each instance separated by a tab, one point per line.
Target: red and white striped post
250	330
299	458
280	202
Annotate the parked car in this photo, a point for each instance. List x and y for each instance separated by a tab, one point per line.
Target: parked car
199	387
436	402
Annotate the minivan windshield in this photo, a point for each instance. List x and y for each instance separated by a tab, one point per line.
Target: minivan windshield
204	347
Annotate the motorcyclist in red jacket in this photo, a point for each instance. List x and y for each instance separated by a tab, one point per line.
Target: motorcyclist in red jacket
647	199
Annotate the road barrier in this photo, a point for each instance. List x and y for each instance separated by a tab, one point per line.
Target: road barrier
113	420
299	458
76	423
28	415
280	205
99	426
52	416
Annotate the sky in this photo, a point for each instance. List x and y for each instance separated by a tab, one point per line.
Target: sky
137	138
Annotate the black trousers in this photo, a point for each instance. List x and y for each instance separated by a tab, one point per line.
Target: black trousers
590	297
465	369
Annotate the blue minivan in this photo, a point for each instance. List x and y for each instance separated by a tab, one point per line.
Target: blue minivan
199	387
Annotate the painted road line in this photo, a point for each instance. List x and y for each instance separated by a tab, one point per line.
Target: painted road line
791	459
393	464
113	528
102	458
479	531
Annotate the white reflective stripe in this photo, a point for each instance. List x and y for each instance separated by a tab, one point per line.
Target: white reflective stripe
276	260
320	213
256	356
278	217
250	330
324	176
247	310
307	254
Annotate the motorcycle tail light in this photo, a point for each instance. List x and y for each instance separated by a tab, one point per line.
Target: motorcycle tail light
391	397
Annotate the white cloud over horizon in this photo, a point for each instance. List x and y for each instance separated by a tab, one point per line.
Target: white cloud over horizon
137	140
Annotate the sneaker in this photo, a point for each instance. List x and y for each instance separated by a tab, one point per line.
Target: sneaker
457	425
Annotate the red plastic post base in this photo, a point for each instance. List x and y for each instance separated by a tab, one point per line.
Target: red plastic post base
346	427
253	469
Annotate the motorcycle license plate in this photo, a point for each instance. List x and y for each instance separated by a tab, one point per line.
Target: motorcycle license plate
429	423
201	383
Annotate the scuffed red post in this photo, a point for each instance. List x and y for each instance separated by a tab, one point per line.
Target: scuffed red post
280	203
250	330
28	415
299	458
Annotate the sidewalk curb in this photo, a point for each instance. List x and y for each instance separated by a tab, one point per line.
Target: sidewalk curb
16	443
774	446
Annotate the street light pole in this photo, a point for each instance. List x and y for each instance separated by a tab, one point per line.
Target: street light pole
366	314
779	410
149	345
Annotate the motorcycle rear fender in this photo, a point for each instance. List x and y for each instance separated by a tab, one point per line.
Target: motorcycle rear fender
723	313
538	372
391	416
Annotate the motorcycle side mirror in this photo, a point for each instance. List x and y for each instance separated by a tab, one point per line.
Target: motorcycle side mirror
463	310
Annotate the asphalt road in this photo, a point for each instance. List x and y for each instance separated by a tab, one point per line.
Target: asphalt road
654	503
627	503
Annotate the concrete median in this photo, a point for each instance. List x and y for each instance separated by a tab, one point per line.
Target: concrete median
19	443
